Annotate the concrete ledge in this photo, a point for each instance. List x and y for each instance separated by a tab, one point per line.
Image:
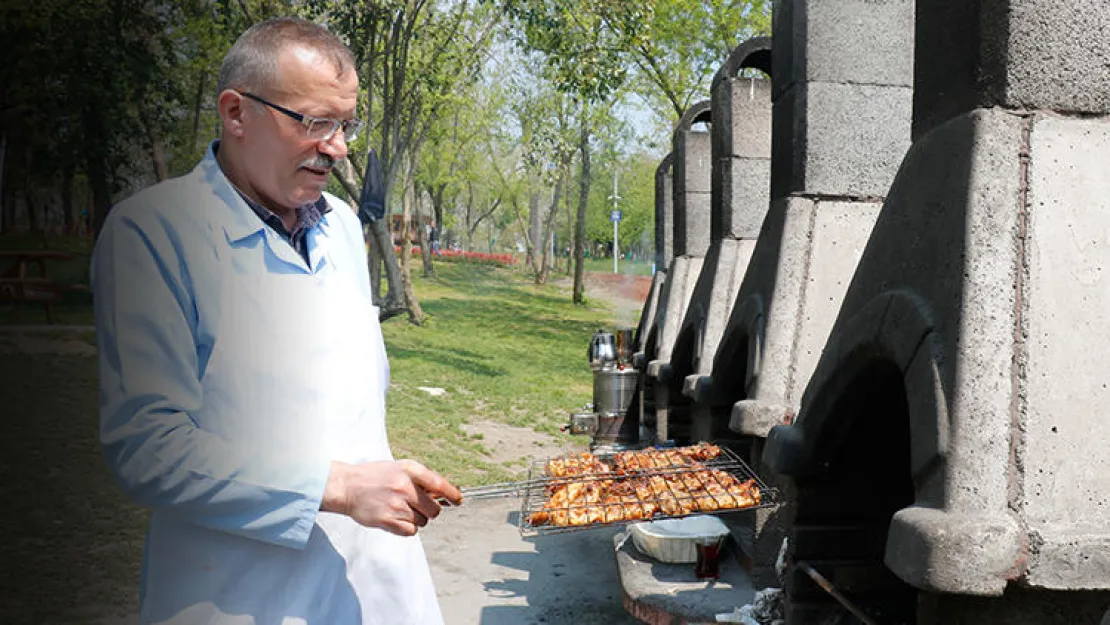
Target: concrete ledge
1073	559
753	417
703	390
669	594
955	552
785	452
660	370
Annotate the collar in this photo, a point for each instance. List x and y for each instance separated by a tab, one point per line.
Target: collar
243	220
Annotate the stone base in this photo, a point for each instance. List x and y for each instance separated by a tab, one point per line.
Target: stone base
669	594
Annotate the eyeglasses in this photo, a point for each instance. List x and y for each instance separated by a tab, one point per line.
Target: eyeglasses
319	128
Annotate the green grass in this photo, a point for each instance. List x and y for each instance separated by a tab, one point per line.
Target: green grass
504	350
605	265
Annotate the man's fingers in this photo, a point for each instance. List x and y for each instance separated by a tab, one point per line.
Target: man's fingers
423	504
432	482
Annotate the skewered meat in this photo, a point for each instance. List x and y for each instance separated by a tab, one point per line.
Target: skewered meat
640	485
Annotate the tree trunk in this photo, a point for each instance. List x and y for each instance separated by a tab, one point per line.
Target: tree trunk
96	164
547	231
416	314
7	197
197	102
422	234
535	233
569	202
154	144
583	197
374	263
67	199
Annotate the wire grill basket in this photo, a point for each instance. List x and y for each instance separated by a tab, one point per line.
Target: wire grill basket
587	491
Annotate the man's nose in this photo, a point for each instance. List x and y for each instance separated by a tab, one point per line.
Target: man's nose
335	147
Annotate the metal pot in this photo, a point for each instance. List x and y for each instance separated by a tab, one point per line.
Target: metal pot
602	350
614	389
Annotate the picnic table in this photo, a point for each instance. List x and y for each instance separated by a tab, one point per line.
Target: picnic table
19	285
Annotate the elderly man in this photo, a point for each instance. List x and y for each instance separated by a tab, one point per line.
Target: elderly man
242	369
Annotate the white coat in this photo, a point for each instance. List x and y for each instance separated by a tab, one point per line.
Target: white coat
231	375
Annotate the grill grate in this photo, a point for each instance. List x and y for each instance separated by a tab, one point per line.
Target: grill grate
648	485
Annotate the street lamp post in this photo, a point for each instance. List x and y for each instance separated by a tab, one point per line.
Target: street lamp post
615	217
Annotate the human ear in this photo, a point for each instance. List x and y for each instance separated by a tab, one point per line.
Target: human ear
232	111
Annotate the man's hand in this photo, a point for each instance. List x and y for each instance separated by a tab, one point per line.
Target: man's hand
397	497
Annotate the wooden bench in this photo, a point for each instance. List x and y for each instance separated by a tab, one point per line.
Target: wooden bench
19	286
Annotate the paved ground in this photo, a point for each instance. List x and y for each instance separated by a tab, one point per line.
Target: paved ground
487	574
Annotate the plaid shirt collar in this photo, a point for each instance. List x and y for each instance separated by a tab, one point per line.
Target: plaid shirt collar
308	216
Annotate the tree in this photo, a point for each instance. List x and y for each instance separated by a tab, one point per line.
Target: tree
679	45
411	55
585	57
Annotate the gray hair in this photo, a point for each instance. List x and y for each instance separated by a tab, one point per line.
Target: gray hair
251	63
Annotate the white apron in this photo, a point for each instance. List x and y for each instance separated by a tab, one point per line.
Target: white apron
298	357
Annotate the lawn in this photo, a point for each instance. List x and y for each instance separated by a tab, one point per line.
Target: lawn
503	350
631	267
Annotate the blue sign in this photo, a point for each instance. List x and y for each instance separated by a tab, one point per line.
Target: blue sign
615	215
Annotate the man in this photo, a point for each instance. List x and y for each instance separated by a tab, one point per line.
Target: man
242	368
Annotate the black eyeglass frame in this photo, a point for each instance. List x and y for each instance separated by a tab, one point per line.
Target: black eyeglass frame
351	127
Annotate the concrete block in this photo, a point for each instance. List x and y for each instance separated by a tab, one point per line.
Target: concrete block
851	139
674	301
656	592
742	190
1056	55
947	552
692	159
1027	54
1067	311
647	315
692	224
856	137
863	42
787	144
742	118
664	214
782	47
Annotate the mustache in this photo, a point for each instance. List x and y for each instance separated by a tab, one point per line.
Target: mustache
319	161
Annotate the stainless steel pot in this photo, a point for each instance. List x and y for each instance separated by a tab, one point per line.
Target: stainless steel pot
614	388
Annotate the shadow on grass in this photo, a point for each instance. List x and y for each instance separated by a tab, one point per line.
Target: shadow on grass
72	543
444	358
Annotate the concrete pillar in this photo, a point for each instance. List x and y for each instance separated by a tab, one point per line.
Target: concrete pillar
691	151
664	214
740	189
841	125
984	282
664	253
841	117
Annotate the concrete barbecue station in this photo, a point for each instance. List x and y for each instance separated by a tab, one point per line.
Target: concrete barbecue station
896	321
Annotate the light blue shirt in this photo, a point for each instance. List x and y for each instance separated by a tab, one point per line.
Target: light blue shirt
232	373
